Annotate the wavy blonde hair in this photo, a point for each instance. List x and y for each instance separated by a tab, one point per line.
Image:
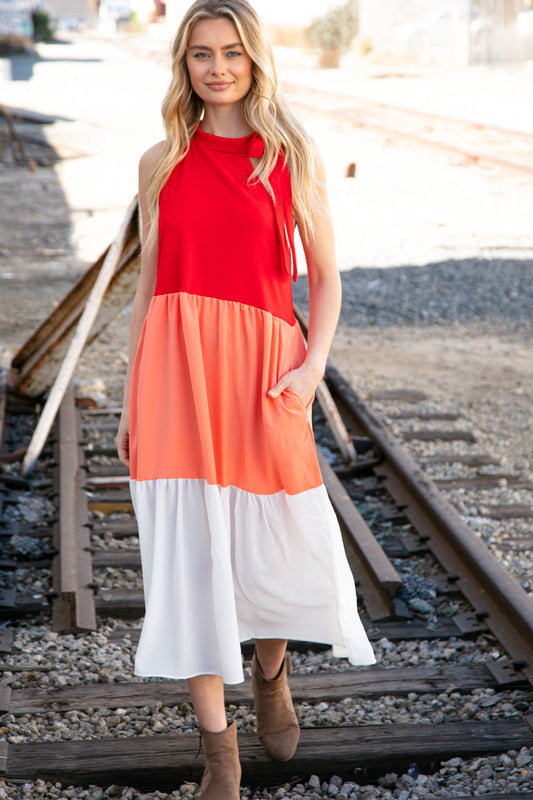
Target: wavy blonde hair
265	111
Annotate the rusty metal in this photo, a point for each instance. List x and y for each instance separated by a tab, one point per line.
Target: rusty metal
506	609
73	608
17	148
378	579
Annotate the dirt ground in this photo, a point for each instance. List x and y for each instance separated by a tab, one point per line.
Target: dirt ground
57	219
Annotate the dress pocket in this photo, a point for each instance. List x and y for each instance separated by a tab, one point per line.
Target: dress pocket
294	402
296	396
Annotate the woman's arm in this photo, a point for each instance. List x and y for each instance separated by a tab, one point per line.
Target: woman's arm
143	295
324	299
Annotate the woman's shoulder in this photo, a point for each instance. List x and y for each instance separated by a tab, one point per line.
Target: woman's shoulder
150	158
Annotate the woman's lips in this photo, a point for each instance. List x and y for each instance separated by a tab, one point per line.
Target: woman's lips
218	87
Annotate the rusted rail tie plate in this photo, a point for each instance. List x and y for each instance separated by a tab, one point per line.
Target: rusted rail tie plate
73	607
498	600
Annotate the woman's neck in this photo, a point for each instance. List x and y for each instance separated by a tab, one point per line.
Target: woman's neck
226	122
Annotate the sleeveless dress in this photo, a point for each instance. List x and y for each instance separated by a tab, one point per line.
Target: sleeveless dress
238	538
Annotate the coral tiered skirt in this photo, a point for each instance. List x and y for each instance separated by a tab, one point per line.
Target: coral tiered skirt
238	537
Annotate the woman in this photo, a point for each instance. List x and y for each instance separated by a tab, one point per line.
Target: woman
238	539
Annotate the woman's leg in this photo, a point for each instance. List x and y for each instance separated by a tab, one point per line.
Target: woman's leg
270	654
207	694
277	724
222	774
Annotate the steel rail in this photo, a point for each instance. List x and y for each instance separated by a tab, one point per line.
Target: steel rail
73	608
388	130
496	596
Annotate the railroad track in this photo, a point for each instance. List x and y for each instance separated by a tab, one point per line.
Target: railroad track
473	142
404	519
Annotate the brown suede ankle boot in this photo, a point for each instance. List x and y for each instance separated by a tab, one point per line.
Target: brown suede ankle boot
222	774
277	725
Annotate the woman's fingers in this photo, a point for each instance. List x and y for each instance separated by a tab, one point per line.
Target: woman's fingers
297	382
122	442
280	387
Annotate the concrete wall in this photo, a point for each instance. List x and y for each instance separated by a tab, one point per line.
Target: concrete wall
428	30
454	32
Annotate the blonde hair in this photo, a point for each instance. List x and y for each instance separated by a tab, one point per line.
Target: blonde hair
265	111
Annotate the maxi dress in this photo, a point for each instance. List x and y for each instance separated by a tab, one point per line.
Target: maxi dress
238	538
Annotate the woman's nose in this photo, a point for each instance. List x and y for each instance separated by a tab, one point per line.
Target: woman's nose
217	67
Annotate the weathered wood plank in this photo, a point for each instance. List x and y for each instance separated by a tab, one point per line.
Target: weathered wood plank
434	435
469	459
119	528
24	604
484	482
124	603
118	559
514	796
113	481
103	412
167	761
109	504
394	631
399	395
108	450
103	470
510	511
6	640
427	416
373	682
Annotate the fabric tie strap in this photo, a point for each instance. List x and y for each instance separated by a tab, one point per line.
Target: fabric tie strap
256	146
282	202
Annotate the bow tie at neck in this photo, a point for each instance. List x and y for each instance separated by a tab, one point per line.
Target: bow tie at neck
256	146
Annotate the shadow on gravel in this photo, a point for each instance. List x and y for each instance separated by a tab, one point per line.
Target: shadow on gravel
35	229
463	290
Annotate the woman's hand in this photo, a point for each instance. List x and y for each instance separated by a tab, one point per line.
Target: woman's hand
122	440
302	380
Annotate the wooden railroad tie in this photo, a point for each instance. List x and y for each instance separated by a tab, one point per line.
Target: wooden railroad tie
361	753
321	686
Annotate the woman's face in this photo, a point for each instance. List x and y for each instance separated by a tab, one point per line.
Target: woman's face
219	68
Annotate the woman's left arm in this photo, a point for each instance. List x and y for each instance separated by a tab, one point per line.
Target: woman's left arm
324	299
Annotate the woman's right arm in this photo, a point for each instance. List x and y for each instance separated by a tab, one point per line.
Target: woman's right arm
143	295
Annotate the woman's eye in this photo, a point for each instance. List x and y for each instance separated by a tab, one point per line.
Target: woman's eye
200	56
234	53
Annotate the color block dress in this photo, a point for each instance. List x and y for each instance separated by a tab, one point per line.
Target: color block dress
238	538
